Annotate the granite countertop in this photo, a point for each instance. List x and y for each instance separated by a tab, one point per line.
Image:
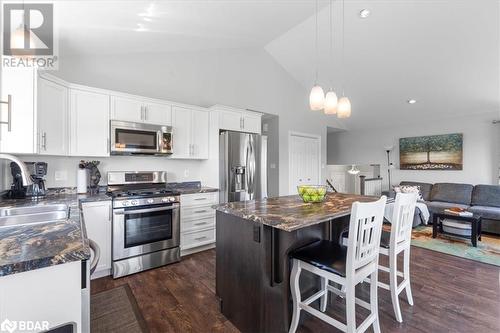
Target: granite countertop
32	246
290	213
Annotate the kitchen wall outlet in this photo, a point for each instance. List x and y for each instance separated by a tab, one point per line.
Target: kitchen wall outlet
186	173
272	166
60	175
265	127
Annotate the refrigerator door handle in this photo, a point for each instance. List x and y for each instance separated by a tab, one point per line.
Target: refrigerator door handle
250	172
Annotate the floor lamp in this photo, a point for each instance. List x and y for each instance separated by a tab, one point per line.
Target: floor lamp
390	166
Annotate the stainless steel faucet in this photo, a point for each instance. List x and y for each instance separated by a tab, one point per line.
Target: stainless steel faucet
25	175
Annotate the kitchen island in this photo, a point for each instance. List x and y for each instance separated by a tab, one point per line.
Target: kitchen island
254	239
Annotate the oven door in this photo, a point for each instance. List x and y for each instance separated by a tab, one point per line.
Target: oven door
135	138
140	230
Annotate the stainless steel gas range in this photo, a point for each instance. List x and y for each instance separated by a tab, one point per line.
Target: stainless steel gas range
146	221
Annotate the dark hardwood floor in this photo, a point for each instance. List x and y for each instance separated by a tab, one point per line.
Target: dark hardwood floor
451	294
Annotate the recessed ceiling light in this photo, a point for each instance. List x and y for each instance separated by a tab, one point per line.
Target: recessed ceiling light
147	19
412	101
140	27
364	13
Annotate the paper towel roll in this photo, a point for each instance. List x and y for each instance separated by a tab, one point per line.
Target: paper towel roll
81	183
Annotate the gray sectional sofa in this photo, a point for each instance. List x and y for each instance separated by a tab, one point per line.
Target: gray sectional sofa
480	199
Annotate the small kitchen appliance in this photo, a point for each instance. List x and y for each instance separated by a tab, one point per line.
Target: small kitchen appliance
128	138
38	171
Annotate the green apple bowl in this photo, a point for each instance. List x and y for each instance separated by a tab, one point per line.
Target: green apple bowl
312	193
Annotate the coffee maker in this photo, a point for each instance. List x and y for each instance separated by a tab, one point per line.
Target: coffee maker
38	171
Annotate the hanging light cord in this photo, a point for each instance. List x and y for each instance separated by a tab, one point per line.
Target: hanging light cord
317	52
343	47
331	44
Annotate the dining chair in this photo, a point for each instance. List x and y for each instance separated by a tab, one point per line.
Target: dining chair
345	266
393	243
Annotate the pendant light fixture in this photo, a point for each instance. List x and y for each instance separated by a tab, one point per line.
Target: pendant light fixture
353	170
317	95
331	96
344	104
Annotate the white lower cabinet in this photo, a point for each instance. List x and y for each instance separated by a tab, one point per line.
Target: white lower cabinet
98	219
197	221
50	297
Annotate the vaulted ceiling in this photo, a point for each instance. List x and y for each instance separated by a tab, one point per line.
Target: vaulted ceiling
442	53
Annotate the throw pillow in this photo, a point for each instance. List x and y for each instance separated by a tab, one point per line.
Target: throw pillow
411	189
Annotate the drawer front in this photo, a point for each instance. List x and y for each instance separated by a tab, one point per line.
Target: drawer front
196	213
195	225
199	199
198	238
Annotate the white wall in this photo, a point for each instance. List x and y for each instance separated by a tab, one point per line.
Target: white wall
177	170
247	78
480	149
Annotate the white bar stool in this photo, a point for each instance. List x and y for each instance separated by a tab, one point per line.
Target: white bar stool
347	266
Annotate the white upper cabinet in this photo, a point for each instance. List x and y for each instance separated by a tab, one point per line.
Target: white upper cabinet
238	120
89	122
158	113
200	134
52	114
252	123
127	109
190	133
140	110
17	127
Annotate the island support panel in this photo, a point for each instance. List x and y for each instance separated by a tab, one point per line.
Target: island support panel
253	270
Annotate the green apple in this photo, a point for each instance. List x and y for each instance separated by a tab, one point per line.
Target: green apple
306	197
322	191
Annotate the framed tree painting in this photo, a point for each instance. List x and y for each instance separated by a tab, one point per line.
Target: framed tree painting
435	152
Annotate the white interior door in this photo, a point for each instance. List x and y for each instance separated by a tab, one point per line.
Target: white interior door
304	161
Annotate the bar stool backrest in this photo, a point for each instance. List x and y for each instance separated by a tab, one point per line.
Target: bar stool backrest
365	229
402	219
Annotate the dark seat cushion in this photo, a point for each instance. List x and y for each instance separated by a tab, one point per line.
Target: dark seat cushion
452	192
385	239
486	195
438	207
425	188
486	212
326	255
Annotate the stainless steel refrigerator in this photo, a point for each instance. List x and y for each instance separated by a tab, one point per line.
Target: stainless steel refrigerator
243	166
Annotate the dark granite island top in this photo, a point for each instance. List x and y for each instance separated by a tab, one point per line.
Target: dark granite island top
33	246
290	213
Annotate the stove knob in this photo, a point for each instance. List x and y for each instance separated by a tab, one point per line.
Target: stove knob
134	202
125	203
165	199
150	201
171	199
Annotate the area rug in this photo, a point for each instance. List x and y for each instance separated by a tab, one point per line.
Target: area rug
487	250
116	310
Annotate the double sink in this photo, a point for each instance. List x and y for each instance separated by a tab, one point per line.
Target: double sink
11	216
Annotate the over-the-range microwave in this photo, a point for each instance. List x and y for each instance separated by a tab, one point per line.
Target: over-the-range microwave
128	138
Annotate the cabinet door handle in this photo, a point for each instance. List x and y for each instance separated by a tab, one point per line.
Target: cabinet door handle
243	119
9	113
201	223
200	238
142	112
198	199
146	113
200	211
44	141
